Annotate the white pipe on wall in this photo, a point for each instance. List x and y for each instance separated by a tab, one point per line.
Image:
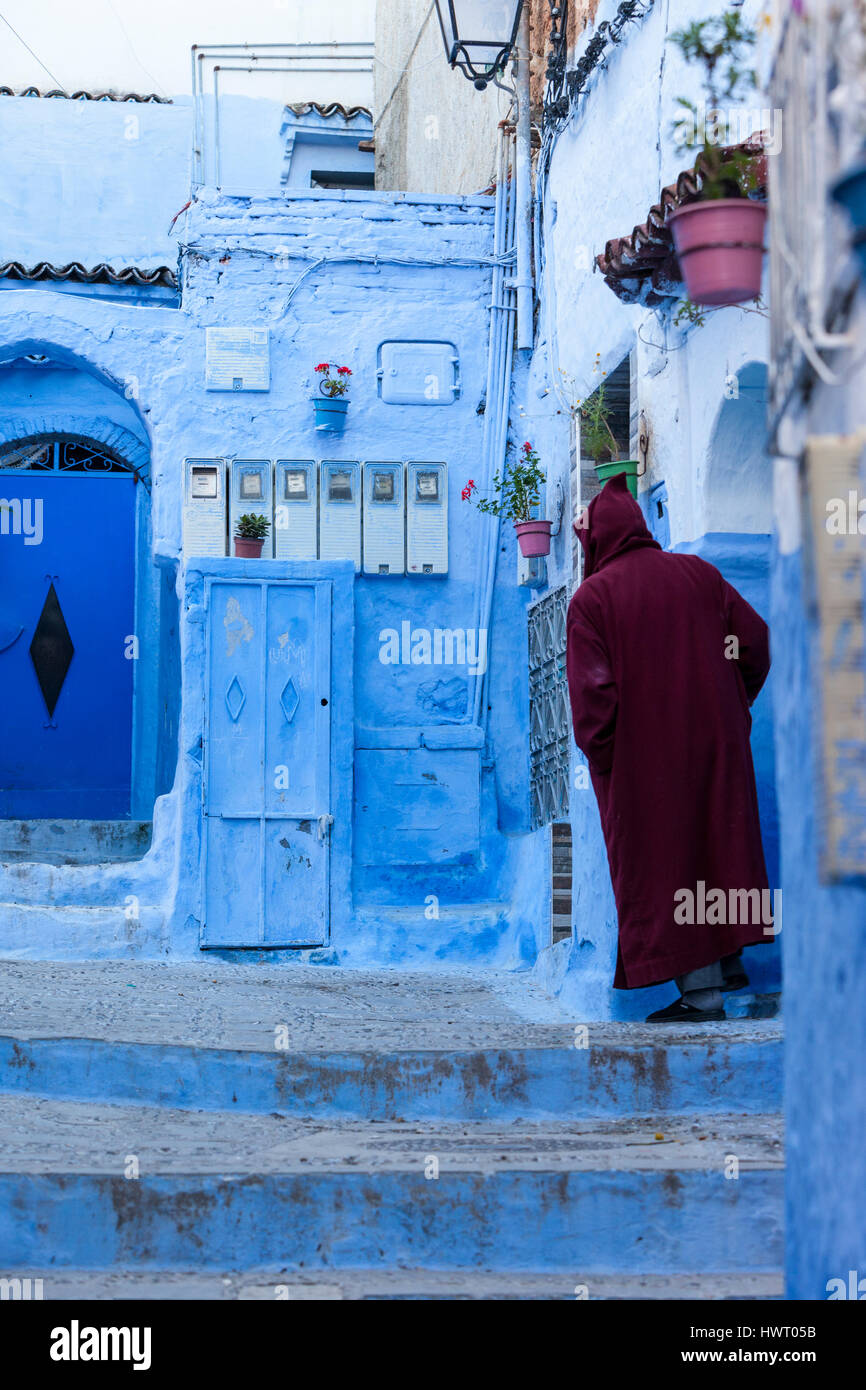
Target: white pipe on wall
523	187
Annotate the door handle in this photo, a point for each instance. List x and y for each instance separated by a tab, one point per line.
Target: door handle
325	823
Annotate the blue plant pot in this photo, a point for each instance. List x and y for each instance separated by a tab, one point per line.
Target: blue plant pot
331	413
849	190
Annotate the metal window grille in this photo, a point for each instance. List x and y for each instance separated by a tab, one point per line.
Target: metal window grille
549	724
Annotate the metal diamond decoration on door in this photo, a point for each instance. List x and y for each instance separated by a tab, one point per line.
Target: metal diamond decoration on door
51	651
289	699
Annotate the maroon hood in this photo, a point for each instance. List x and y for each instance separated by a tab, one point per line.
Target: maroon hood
612	525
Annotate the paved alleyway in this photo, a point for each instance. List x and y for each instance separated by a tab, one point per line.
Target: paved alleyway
311	1132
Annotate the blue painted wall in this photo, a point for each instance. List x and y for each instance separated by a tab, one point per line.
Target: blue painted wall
331	275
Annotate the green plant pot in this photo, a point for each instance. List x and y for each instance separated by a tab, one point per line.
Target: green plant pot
610	470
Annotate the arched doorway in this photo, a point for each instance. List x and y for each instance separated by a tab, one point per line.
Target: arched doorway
68	645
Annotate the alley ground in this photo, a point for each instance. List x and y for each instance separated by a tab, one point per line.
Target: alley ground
238	1131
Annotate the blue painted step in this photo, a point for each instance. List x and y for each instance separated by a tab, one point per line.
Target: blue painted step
624	1070
653	1195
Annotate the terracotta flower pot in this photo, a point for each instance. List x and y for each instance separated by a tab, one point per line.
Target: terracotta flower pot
248	549
533	537
720	248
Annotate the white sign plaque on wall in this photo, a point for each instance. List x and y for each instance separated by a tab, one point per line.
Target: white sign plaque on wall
238	359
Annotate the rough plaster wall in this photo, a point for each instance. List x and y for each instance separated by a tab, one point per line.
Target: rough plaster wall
824	945
434	132
92	181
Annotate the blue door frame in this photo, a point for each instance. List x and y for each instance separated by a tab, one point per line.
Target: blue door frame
266	763
67	603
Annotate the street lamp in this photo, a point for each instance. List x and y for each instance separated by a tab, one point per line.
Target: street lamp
479	35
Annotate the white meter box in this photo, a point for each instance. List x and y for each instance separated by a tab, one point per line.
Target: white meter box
415	373
250	494
204	507
426	518
384	519
296	499
340	511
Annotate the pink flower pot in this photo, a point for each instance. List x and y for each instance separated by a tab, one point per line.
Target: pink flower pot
720	248
533	537
247	549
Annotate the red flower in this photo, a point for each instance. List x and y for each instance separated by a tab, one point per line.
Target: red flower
322	367
527	448
344	371
468	490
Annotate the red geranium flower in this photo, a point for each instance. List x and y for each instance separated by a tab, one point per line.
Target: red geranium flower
468	490
322	367
344	371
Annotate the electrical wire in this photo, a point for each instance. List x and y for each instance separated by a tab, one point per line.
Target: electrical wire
147	73
30	51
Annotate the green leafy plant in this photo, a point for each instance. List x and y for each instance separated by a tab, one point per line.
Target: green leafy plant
596	436
516	492
687	312
252	526
720	45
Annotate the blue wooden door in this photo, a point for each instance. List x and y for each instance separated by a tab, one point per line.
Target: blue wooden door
266	784
67	582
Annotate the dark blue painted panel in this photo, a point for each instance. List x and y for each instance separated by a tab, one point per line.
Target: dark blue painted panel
76	762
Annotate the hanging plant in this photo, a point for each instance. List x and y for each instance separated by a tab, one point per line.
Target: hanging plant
516	495
332	403
719	237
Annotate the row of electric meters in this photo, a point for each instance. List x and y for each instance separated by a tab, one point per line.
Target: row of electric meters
388	517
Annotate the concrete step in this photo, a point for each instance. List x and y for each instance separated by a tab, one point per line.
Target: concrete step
378	1045
73	841
262	1285
217	1190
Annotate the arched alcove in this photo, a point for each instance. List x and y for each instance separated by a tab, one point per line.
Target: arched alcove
91	664
738	490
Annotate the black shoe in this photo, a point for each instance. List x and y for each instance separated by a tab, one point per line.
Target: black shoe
732	982
681	1012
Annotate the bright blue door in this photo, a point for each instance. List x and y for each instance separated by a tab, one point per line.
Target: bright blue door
266	782
67	581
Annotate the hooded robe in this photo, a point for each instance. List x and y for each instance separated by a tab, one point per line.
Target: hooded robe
664	660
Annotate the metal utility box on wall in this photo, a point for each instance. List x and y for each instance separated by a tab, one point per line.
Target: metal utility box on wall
415	373
251	492
426	518
204	507
296	498
384	519
340	511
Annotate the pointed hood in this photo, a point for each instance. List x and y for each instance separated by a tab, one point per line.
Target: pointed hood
612	525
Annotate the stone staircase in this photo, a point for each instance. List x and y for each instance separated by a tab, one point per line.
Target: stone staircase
246	1131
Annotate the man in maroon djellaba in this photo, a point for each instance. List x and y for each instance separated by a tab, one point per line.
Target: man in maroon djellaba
664	661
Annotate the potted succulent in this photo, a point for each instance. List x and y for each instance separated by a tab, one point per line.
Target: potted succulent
516	495
597	439
333	401
719	236
250	533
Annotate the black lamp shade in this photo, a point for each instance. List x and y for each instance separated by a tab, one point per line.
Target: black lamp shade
479	35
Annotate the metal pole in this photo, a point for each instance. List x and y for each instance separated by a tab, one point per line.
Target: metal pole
524	283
